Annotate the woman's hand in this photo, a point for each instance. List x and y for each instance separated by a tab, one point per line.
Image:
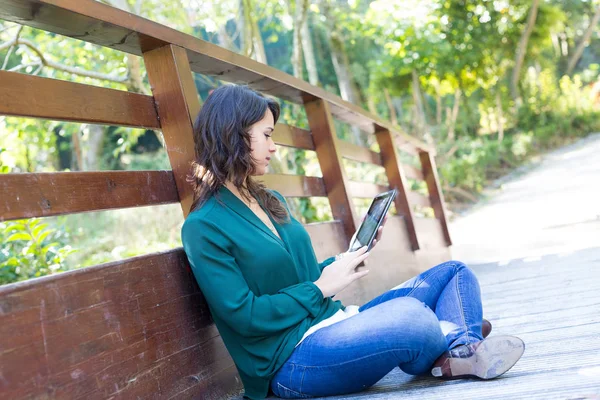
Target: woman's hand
341	273
379	231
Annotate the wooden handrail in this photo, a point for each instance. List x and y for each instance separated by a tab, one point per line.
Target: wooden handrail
292	136
412	172
56	193
98	23
435	193
27	96
366	190
295	185
359	153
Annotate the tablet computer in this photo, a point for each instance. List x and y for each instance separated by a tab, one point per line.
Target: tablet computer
368	229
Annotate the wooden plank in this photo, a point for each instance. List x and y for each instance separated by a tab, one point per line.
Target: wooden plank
412	172
97	23
391	262
418	199
435	192
133	329
396	179
74	102
292	136
359	153
55	193
365	189
177	105
320	120
295	185
327	238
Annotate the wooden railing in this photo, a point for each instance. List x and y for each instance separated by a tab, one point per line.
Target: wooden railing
140	327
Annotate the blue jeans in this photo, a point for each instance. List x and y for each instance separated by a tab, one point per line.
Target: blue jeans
409	327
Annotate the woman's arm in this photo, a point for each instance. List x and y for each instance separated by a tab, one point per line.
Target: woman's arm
228	294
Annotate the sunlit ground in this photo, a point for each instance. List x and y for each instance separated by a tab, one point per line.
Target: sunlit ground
552	209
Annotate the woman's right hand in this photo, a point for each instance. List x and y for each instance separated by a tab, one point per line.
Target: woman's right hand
341	273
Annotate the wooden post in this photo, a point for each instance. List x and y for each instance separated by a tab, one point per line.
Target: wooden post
396	178
177	105
330	159
435	192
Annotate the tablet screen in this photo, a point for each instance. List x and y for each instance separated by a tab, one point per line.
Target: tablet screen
369	225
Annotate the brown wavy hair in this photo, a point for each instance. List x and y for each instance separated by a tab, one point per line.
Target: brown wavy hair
222	147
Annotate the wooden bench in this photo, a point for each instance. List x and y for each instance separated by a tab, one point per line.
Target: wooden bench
140	328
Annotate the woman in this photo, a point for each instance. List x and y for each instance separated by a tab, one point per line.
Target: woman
272	301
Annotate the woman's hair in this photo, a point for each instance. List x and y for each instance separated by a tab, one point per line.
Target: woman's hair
222	146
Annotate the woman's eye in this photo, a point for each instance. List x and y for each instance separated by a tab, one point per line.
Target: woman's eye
268	135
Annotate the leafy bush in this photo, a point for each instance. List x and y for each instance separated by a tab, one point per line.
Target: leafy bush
31	249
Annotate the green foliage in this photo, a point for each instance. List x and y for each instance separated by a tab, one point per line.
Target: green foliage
553	114
4	169
31	249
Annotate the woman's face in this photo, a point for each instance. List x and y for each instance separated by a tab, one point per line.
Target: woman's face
261	143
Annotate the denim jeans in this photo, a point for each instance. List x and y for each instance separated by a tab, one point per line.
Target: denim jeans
408	327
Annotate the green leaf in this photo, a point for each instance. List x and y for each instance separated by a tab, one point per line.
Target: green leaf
49	247
37	229
43	236
14	226
18	236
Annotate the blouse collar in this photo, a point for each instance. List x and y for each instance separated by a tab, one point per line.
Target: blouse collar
238	206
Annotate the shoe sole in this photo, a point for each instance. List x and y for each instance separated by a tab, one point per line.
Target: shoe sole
492	358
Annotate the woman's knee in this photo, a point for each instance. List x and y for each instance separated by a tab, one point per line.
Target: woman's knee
454	264
411	316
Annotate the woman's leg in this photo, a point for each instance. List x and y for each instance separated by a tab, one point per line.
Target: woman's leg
355	353
451	290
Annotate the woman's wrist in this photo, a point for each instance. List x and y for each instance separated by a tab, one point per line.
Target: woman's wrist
319	284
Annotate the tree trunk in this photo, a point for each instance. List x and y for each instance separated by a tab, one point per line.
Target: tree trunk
135	81
94	147
522	49
420	120
77	159
391	108
438	104
299	20
309	53
453	115
245	28
499	117
224	39
372	105
583	42
341	65
257	42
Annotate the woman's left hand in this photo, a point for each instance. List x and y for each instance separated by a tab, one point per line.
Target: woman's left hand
379	232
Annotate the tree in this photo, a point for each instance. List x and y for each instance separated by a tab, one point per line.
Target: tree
583	41
522	49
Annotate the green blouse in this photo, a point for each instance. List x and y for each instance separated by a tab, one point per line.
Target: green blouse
259	288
